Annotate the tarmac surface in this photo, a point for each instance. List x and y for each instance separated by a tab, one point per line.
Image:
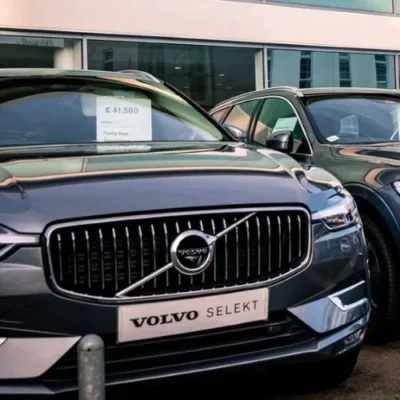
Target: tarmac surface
376	377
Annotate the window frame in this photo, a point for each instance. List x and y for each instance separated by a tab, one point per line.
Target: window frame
225	111
252	117
256	116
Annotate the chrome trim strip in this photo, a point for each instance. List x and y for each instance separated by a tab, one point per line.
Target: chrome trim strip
259	246
226	253
252	210
335	298
88	255
128	253
289	221
114	239
17	238
214	232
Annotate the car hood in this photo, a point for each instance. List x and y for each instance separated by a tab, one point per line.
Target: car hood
373	165
35	192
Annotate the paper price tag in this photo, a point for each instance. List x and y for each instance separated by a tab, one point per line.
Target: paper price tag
285	124
119	119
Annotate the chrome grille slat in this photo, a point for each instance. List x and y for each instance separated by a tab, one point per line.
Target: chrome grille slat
59	246
114	239
153	240
226	250
269	244
89	266
141	251
258	246
128	254
74	257
289	222
237	250
299	235
93	259
248	247
278	220
166	251
190	227
203	274
101	258
214	231
178	231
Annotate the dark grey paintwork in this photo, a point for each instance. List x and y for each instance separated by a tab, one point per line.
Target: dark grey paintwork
41	325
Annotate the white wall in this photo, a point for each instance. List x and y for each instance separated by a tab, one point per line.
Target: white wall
206	19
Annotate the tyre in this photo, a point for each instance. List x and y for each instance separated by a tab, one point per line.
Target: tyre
385	285
328	374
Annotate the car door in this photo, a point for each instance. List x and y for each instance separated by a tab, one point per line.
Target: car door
277	114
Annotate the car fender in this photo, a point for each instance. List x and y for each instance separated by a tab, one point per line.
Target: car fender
374	199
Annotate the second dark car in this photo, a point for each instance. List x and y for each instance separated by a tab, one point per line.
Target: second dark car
355	134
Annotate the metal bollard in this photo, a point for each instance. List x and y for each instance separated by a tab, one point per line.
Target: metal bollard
91	376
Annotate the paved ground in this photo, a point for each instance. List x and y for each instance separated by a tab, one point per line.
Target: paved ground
376	377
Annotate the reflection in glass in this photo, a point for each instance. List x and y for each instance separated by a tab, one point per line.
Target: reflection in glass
356	120
384	6
307	69
240	115
40	52
207	74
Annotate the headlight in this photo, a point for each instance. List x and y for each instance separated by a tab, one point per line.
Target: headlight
340	213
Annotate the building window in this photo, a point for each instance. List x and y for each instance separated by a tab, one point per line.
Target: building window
380	6
269	67
305	69
381	71
40	52
207	74
332	69
108	59
344	70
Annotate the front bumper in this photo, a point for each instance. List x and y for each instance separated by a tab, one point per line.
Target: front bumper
314	331
317	313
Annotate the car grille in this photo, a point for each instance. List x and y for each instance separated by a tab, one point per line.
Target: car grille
101	258
145	358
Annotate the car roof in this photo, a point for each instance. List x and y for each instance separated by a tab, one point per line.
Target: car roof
34	72
310	92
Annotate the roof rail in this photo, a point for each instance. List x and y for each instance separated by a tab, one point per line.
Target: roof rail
136	71
291	88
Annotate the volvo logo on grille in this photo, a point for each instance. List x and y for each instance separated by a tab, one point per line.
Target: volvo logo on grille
192	252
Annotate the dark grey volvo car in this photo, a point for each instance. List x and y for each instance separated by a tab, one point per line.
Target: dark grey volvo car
127	212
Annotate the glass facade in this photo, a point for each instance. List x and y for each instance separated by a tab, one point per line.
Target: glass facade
207	74
307	69
381	6
385	6
39	52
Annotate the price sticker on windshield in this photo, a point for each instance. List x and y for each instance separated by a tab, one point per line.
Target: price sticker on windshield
120	119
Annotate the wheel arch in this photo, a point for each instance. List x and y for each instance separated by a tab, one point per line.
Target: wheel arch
369	201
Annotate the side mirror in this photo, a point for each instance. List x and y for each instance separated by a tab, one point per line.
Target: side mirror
239	134
281	141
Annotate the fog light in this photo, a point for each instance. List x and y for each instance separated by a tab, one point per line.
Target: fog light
353	337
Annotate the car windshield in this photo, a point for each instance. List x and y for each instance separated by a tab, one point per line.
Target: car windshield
76	110
356	120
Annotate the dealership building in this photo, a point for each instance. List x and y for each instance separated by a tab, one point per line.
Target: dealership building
211	49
